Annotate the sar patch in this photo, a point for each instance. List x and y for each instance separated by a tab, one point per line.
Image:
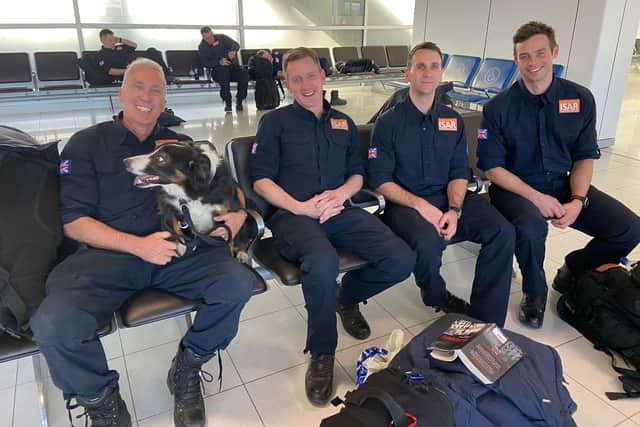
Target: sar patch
254	148
483	134
65	167
568	106
448	124
340	124
372	153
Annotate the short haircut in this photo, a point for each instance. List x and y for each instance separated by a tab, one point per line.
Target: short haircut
300	53
420	46
204	30
105	32
261	53
145	62
533	28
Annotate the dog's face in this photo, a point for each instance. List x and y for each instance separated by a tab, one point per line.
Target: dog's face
179	168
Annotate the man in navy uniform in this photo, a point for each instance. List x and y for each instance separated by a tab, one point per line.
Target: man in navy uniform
122	252
219	52
537	143
306	162
418	161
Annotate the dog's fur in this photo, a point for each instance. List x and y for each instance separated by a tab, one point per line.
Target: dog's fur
193	175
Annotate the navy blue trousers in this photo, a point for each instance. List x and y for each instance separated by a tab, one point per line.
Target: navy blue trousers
226	74
480	223
86	289
614	227
303	239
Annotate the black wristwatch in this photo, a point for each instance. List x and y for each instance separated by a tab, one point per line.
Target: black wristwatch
583	199
457	210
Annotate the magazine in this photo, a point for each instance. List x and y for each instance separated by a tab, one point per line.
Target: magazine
482	347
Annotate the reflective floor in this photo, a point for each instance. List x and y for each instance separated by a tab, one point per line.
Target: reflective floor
264	366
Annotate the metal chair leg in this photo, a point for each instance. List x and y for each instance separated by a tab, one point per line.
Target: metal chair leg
38	361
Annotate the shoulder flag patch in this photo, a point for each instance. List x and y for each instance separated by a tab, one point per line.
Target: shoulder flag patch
483	134
341	124
372	153
569	106
65	167
448	124
254	148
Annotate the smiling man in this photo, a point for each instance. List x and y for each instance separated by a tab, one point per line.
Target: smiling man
306	162
537	143
122	252
418	161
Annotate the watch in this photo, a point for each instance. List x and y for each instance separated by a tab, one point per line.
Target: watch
457	210
583	199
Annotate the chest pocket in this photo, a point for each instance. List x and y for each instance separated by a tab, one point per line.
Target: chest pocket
444	145
297	148
337	156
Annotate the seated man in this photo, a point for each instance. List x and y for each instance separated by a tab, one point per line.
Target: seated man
117	52
537	144
124	252
218	52
306	162
418	161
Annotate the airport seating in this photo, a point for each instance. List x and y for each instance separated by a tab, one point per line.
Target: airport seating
397	56
460	70
493	76
61	68
15	72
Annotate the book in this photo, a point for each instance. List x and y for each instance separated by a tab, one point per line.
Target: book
481	347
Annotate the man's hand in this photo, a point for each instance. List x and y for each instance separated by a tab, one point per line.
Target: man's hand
225	61
331	203
233	220
155	248
448	224
429	212
232	55
548	206
572	210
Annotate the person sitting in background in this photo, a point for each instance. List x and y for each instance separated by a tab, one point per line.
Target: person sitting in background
218	52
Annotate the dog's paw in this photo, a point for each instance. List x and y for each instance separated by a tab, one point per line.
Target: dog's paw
181	250
243	257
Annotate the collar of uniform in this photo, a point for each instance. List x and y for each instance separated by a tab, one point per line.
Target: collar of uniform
128	138
410	108
309	115
547	97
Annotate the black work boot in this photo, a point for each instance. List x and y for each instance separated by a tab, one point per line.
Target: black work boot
336	100
185	385
532	309
452	305
565	280
108	409
239	106
227	107
352	320
318	381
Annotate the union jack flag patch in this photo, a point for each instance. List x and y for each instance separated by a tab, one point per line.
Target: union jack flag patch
483	134
65	167
372	153
254	148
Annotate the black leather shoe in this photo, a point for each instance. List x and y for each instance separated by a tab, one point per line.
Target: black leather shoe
318	381
532	310
453	305
564	281
227	107
352	319
107	409
239	106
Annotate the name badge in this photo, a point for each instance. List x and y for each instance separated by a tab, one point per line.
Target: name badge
160	142
341	124
569	106
448	124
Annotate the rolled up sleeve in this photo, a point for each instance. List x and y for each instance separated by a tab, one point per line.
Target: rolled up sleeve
79	185
381	157
459	167
492	150
586	146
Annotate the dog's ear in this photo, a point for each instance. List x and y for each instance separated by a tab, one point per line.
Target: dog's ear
200	175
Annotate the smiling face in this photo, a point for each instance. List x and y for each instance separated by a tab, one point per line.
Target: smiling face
305	79
425	72
534	58
143	98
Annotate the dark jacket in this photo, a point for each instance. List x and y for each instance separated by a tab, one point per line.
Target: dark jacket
210	55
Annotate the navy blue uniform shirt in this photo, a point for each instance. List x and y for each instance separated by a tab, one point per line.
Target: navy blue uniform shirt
419	152
303	154
114	58
538	136
210	55
95	183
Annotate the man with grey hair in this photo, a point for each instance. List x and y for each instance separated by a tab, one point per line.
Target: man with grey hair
122	251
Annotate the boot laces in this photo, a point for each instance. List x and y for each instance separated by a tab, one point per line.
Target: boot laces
103	415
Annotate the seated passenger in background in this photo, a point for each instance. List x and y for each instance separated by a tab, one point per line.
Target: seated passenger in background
218	52
306	162
537	144
117	52
418	161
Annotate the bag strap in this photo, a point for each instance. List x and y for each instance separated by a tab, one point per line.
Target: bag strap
399	417
10	297
629	378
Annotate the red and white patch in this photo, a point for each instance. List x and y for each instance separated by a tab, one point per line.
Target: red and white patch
341	124
448	124
569	106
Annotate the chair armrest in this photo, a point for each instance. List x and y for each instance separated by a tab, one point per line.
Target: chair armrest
366	198
256	229
476	184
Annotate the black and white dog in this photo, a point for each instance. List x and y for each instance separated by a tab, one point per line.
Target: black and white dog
195	185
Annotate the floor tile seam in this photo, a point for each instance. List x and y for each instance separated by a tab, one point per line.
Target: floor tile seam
588	389
255	407
279	371
126	369
268	313
152	347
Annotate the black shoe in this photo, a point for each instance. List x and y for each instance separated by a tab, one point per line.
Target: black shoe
318	381
336	100
239	106
185	385
108	409
453	305
565	280
352	320
227	107
532	310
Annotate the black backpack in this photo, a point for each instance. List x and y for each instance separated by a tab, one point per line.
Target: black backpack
266	93
604	306
94	74
30	225
357	66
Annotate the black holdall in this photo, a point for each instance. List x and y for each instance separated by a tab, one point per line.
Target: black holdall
393	398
